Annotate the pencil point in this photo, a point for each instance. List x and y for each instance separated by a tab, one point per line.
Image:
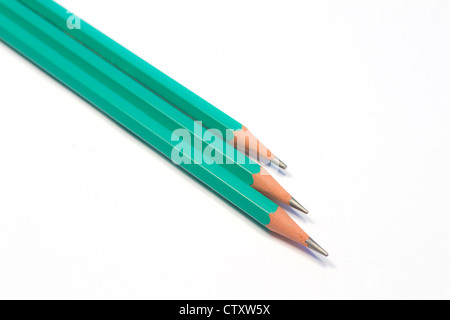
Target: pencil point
315	247
279	163
295	204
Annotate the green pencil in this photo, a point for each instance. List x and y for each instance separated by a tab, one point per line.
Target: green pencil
236	162
197	108
23	37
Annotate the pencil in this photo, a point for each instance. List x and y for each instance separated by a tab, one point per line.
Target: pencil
21	35
237	163
197	108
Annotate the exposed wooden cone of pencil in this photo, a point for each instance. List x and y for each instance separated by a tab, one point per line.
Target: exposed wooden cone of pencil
247	143
267	185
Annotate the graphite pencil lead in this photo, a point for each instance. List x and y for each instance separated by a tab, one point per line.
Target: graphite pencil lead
295	204
314	246
279	163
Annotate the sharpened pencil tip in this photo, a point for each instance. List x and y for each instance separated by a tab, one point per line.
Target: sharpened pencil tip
279	163
315	247
295	204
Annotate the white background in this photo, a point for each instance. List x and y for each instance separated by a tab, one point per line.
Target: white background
353	95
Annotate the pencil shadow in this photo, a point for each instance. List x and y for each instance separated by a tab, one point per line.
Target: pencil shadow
287	174
323	261
274	170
